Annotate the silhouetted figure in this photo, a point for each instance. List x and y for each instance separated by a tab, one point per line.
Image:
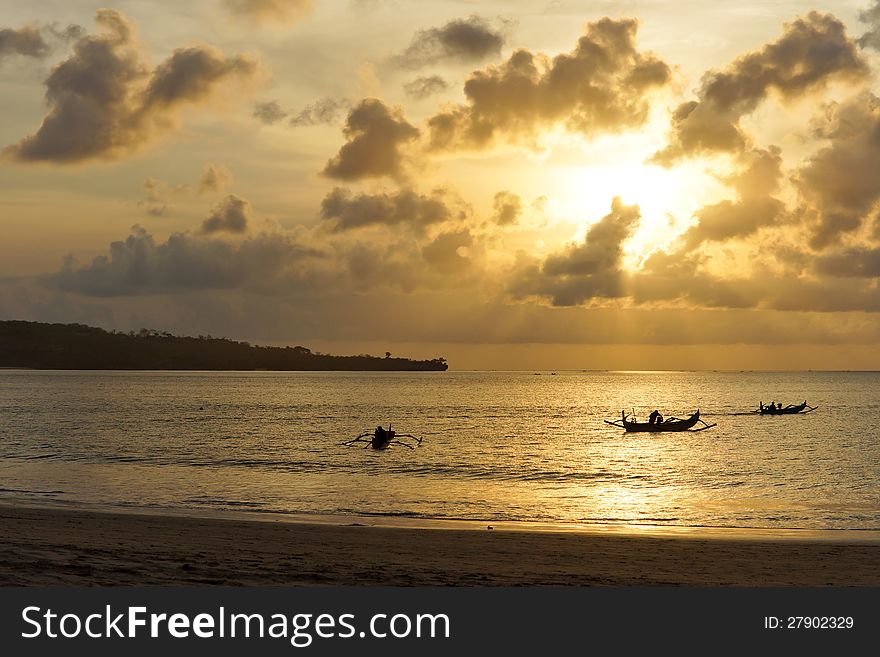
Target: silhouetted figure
779	406
655	417
380	438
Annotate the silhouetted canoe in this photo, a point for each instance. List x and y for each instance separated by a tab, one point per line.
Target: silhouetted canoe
791	409
670	424
383	439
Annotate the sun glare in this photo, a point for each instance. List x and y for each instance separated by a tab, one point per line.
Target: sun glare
667	199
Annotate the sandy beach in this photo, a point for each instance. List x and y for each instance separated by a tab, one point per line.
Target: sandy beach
46	546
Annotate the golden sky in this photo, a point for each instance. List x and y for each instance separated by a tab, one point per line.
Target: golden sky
532	184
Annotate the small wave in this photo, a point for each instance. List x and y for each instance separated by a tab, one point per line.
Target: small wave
27	491
207	501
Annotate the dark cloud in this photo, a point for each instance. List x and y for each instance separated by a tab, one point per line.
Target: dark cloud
839	185
871	16
36	42
375	134
796	281
105	101
444	254
346	211
326	111
583	271
269	112
465	40
670	278
25	41
191	75
811	51
755	206
603	85
507	208
269	11
141	266
425	87
677	277
854	262
214	179
231	215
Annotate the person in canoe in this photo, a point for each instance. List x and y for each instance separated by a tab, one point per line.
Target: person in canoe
380	437
655	417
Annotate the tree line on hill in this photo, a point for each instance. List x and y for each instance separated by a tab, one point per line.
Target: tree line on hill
39	345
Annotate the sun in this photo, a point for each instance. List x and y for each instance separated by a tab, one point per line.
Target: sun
667	199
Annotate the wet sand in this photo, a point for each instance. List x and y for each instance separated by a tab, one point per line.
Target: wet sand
47	546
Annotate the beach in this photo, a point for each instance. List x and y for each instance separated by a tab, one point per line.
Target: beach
74	547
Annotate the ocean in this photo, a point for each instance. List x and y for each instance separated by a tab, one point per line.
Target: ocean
498	446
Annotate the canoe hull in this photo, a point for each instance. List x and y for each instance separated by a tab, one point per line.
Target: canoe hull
675	425
788	410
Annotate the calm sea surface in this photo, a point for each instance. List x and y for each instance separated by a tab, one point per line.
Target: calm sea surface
497	446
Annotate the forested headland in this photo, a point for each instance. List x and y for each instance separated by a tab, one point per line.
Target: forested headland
78	347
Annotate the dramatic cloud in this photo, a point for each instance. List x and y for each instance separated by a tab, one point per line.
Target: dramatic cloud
811	51
425	87
601	86
269	11
840	185
104	101
871	16
464	40
583	271
139	265
215	179
375	134
231	215
327	111
346	211
507	208
754	208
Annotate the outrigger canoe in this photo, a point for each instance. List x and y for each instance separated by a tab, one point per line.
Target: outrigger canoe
791	409
669	424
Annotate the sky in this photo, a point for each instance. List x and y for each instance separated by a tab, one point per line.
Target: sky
540	184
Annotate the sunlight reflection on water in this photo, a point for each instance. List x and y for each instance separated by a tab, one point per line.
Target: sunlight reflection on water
498	446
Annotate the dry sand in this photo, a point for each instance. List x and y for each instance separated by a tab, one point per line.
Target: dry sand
74	547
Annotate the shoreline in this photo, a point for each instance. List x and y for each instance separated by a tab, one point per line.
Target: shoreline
462	370
381	521
78	547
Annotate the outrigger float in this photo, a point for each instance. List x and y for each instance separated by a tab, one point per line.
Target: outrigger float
791	409
383	439
630	425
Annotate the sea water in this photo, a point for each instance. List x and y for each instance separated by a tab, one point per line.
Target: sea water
518	446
